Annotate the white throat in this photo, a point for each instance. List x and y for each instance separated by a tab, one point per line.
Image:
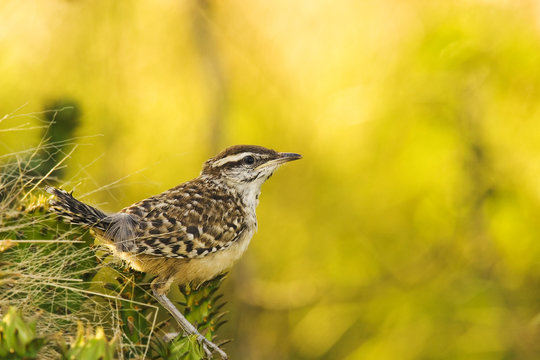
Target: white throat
250	194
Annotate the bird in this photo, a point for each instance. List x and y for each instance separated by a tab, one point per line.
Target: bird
190	233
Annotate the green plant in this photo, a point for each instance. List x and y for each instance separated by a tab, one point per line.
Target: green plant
18	339
88	346
202	307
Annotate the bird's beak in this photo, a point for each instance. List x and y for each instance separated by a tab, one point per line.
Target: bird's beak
281	159
285	157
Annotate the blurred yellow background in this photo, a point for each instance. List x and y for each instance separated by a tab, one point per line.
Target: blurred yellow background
410	230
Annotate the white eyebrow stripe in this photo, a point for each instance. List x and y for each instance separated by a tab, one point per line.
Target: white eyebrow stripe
230	158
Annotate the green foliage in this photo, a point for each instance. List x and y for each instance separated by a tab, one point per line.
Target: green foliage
135	312
201	306
88	346
18	340
47	263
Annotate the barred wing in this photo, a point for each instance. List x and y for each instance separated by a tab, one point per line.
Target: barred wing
185	223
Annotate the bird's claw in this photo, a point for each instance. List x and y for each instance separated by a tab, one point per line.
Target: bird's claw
206	344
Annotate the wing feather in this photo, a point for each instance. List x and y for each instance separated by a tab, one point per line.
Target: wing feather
185	222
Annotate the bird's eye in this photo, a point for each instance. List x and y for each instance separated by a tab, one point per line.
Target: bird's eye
249	160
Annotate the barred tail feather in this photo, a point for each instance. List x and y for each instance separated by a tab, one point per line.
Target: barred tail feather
75	211
118	227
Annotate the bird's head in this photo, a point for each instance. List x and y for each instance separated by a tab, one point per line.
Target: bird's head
246	164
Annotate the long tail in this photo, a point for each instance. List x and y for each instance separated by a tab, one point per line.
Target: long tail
75	211
118	227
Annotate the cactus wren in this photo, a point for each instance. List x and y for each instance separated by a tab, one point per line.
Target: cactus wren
190	233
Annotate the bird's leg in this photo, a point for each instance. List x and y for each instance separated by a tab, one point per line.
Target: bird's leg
186	326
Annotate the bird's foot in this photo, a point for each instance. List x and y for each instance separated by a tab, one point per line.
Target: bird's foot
207	345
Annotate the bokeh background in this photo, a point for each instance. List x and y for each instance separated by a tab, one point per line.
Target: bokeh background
410	228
